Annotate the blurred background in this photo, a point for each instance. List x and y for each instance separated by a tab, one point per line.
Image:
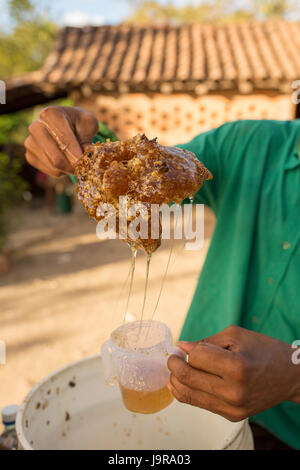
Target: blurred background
171	69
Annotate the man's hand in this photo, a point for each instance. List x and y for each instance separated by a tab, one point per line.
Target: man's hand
236	373
58	138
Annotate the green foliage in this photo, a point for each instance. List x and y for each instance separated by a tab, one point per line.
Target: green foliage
26	46
11	189
14	127
274	8
150	11
23	49
153	12
20	9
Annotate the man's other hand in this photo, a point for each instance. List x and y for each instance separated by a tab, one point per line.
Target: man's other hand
236	373
58	138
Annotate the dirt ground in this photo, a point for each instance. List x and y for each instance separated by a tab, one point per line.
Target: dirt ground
66	291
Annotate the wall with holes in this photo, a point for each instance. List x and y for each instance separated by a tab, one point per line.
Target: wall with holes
177	118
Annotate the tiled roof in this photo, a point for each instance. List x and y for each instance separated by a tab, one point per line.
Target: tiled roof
177	57
199	58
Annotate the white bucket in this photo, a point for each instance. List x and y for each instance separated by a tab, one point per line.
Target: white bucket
73	408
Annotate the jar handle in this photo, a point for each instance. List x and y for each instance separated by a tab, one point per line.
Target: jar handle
109	367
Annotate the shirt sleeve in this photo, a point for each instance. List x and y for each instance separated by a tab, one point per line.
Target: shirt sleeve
104	133
222	151
205	147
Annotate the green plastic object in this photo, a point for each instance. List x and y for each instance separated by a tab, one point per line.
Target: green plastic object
63	203
73	179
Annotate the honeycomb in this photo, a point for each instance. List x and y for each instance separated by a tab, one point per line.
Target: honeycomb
142	170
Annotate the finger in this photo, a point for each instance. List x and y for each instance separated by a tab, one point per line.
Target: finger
187	346
60	128
228	338
205	400
218	340
208	357
55	156
36	155
85	146
194	378
35	161
53	159
86	126
225	339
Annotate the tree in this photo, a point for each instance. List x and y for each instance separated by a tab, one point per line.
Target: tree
25	47
211	11
273	8
20	10
11	188
151	11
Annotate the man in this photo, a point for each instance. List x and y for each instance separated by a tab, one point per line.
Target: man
251	277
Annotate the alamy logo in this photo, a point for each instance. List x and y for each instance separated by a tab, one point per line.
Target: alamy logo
2	92
140	221
296	94
2	353
296	354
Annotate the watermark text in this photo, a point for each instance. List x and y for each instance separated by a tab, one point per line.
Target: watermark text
152	221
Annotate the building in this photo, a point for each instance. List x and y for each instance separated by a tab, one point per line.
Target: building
170	81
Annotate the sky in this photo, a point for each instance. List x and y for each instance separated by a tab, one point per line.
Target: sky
81	12
95	12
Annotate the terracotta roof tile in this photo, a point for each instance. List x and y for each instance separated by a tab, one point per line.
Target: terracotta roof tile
169	72
198	62
144	58
269	55
227	59
89	59
252	51
212	54
157	56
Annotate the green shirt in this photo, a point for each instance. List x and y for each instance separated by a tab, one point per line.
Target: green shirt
251	276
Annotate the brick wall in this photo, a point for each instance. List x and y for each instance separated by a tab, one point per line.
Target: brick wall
177	118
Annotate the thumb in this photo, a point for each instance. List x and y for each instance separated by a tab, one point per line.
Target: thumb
187	346
220	339
86	145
